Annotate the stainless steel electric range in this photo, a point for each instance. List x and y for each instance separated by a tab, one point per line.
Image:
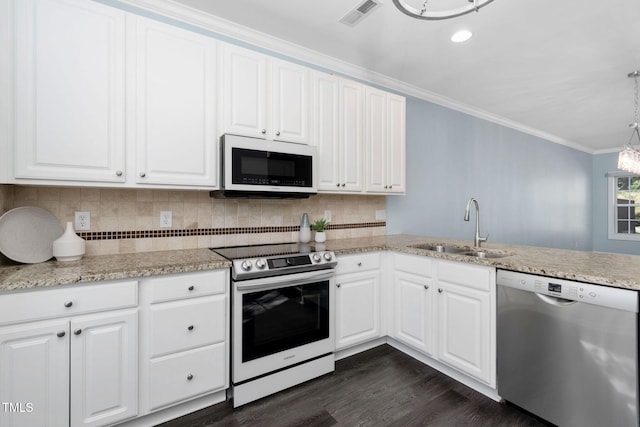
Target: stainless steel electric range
282	317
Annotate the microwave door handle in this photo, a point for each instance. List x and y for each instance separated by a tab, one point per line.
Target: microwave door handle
282	281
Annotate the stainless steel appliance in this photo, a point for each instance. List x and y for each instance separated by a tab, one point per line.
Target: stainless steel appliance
282	317
568	351
257	168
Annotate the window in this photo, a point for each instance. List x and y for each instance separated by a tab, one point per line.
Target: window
624	207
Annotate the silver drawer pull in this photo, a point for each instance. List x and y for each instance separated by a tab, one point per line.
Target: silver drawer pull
77	332
61	334
68	304
190	327
190	377
191	287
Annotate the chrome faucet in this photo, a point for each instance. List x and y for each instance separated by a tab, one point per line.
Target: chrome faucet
477	239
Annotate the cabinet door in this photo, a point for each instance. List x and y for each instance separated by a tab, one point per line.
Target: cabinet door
34	374
375	140
290	102
464	327
395	144
413	312
104	374
244	92
176	134
357	308
326	122
351	125
69	90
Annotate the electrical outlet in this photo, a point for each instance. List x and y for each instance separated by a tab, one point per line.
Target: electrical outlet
327	216
165	219
82	221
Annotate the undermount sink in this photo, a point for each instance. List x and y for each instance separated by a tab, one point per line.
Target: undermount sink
441	248
460	251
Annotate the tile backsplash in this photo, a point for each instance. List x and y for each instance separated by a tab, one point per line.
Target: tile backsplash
126	221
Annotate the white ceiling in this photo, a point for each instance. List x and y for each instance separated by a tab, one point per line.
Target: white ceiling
556	67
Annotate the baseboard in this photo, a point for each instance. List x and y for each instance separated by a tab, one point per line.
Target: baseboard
173	412
359	348
491	393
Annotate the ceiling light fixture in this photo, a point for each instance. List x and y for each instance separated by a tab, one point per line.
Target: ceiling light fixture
423	13
629	157
461	36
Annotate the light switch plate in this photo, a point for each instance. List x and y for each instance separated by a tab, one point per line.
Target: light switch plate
327	215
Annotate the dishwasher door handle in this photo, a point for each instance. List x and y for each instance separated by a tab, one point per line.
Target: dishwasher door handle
558	302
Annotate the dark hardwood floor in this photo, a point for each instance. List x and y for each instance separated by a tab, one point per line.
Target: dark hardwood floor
379	387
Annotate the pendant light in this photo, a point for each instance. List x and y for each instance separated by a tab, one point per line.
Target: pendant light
424	12
629	157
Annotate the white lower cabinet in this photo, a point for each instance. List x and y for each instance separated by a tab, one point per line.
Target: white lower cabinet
446	310
358	300
185	349
77	369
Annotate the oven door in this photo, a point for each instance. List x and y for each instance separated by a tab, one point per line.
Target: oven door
281	321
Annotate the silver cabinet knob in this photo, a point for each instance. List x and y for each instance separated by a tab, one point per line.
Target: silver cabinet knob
77	332
277	133
191	288
142	174
426	287
385	187
264	131
337	285
68	304
118	173
439	290
343	185
359	264
338	185
390	187
190	377
190	327
61	334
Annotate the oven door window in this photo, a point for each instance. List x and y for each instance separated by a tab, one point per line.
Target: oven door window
256	167
280	319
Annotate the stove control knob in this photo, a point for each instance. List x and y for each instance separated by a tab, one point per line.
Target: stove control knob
260	264
246	265
327	256
317	257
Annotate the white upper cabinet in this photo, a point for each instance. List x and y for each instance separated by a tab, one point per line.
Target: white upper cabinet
265	97
338	132
175	99
384	142
69	91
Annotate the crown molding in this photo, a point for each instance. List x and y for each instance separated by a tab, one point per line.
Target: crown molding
297	53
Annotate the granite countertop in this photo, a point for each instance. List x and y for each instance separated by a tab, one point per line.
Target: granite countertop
621	271
108	267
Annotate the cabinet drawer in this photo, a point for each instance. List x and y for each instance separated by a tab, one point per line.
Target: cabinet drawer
181	325
465	274
178	286
358	262
67	301
169	376
414	264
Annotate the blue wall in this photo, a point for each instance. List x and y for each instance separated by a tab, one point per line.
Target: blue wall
531	191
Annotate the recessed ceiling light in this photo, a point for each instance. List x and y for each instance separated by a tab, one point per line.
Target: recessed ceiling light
461	36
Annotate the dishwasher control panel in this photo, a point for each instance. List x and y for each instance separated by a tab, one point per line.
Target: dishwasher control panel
624	299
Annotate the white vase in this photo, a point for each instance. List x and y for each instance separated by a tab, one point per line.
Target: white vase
321	236
69	246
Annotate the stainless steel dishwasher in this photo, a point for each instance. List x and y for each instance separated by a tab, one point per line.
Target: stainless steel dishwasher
568	351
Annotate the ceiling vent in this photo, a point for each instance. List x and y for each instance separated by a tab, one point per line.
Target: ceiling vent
359	12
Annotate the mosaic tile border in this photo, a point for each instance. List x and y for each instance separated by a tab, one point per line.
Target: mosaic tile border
185	232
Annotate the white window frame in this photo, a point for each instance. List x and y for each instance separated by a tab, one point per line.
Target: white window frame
612	205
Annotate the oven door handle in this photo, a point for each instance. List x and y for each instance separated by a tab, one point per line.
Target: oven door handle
282	281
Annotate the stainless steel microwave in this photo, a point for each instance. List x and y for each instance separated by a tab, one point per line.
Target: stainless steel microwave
257	168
